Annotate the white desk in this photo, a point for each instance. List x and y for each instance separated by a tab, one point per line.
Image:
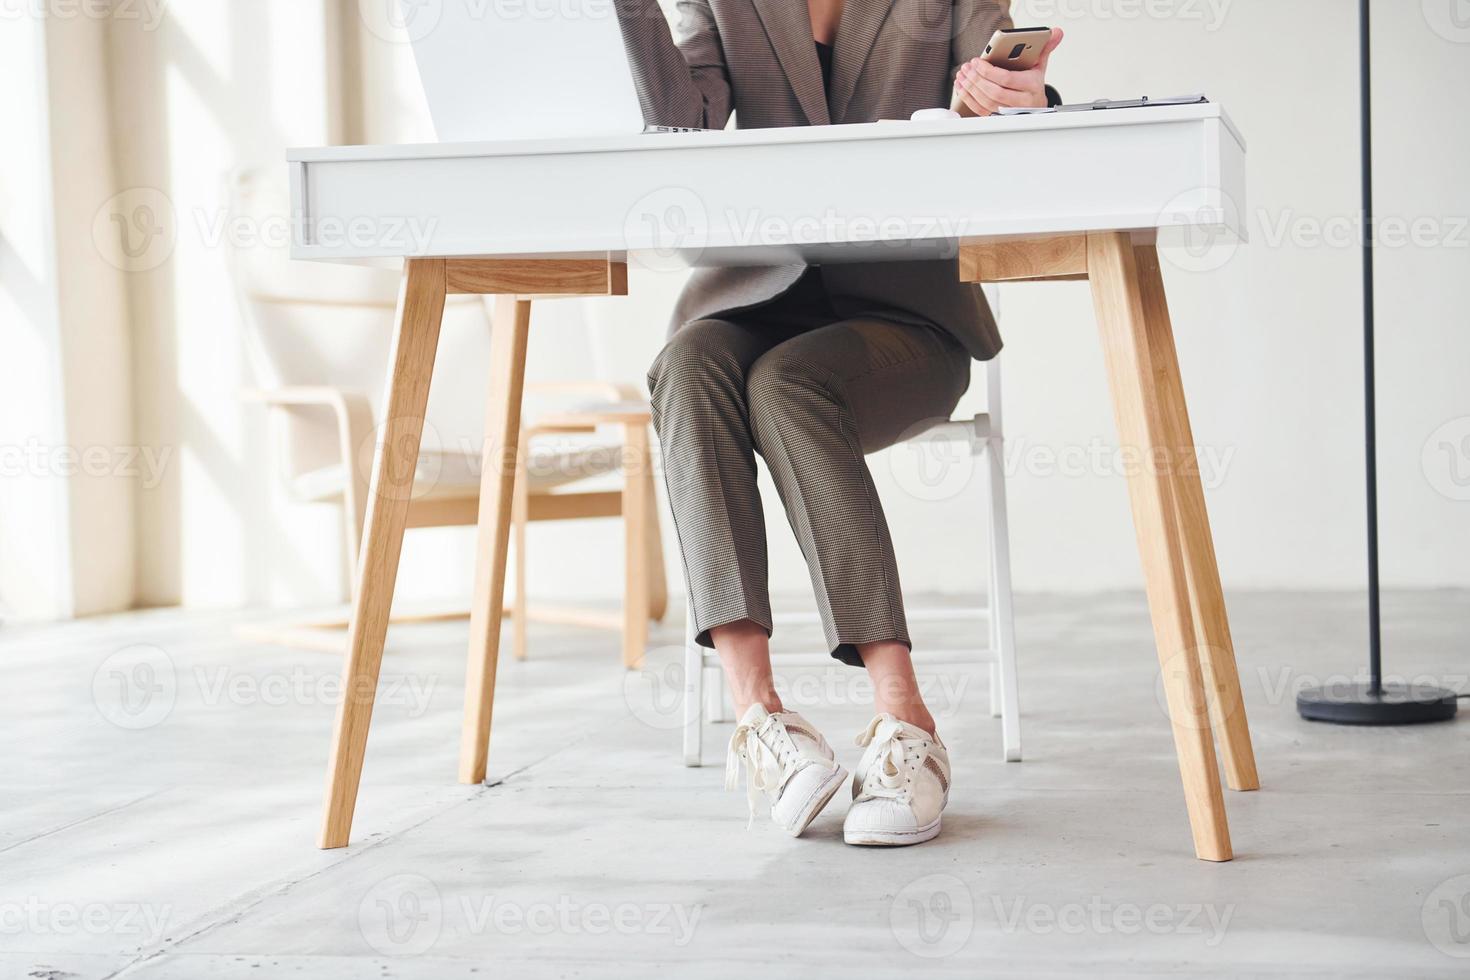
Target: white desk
753	197
1062	196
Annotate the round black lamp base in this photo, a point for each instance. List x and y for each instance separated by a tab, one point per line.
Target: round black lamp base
1392	704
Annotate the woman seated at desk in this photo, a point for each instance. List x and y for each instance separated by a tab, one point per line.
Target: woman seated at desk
812	367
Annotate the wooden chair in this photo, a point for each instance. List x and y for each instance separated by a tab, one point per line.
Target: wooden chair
538	497
326	435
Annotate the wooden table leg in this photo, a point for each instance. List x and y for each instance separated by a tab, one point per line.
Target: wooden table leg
420	311
520	512
1207	600
636	466
497	485
1142	426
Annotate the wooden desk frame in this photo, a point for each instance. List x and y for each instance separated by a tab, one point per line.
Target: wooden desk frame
1191	629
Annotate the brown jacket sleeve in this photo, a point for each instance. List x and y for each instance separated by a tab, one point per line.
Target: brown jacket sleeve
683	84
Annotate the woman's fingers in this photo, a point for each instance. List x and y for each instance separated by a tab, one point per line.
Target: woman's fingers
979	103
997	88
1013	81
986	92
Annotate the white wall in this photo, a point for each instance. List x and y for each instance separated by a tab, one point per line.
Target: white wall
1269	341
208	87
68	462
1268	334
34	565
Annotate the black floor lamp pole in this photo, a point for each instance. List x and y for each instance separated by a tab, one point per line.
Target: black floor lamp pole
1370	381
1373	703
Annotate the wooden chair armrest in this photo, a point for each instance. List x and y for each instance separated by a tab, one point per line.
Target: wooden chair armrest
355	428
354	412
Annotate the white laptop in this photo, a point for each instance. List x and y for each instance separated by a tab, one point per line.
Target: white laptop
521	69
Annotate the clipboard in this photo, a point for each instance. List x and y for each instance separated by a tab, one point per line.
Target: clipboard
1138	103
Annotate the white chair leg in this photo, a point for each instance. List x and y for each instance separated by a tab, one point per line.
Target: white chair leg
995	706
693	691
1001	611
991	632
715	703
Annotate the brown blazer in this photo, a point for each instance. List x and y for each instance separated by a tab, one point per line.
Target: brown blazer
757	59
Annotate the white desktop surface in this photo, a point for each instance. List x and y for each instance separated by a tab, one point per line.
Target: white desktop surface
898	190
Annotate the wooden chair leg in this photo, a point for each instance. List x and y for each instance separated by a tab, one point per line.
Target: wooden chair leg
635	545
420	311
520	517
497	487
1140	411
1207	600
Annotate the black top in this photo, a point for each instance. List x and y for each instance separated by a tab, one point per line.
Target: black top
824	55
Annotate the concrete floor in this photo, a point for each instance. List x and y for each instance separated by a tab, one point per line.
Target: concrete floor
162	780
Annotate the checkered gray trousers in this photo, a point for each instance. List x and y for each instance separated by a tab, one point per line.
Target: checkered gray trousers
811	398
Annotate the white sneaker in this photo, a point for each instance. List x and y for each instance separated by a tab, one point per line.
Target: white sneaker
901	785
788	760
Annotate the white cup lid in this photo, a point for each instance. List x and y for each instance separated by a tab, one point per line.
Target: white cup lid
926	115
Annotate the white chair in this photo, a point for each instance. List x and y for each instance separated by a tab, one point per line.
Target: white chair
704	697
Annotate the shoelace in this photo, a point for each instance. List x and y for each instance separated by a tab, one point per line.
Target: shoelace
891	761
762	766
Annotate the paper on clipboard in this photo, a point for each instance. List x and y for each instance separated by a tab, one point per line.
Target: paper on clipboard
1137	103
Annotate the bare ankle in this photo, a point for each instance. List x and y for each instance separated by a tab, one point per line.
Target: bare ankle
744	651
913	714
771	703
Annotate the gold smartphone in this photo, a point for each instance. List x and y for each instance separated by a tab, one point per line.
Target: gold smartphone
1014	49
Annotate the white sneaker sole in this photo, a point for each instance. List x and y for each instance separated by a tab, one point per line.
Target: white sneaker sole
891	838
817	802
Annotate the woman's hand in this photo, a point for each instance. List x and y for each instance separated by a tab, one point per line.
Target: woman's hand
985	89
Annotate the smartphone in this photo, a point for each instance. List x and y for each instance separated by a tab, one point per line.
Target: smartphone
1014	49
1017	48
